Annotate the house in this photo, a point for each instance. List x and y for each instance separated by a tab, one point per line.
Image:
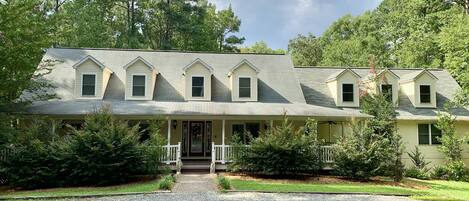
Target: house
205	98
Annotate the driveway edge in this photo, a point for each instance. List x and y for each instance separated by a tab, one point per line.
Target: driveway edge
308	192
81	196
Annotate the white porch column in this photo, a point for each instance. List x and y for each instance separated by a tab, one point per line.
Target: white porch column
223	141
169	142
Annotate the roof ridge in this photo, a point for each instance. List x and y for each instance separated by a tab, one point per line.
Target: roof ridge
359	67
176	51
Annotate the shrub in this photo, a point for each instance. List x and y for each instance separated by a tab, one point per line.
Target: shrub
37	159
417	173
439	172
166	182
360	155
152	150
105	152
454	170
282	151
223	182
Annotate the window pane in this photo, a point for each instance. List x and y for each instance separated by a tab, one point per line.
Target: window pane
423	134
198	81
197	91
88	90
244	92
386	89
89	79
238	130
436	134
347	92
244	82
253	129
139	80
138	91
425	94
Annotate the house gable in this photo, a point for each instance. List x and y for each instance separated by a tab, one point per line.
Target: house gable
139	68
90	67
340	80
195	72
244	72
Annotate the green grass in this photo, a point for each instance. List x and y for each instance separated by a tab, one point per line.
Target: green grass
313	187
437	190
140	187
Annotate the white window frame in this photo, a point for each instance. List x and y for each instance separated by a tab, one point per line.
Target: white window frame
250	88
342	92
132	88
203	87
429	134
95	83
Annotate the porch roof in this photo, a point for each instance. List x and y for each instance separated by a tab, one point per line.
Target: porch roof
150	108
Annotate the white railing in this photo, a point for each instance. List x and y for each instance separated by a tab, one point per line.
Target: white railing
327	154
224	153
5	153
171	153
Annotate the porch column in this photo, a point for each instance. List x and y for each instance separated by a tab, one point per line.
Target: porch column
223	141
169	142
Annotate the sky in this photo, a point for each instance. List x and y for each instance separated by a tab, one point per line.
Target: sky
278	21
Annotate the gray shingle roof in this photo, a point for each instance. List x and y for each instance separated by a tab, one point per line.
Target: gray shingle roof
278	89
316	92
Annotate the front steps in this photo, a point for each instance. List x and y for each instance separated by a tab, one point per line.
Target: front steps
195	165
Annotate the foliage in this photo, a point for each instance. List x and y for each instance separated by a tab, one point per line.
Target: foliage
415	172
362	154
224	182
167	182
262	48
282	150
152	148
383	125
37	158
106	151
451	145
454	170
414	33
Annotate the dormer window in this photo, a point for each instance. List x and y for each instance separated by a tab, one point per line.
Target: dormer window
425	94
347	92
88	85
244	87
138	85
386	90
197	86
243	79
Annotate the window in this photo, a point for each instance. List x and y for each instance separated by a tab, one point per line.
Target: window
197	86
425	94
244	87
242	130
89	85
138	85
386	89
429	134
347	92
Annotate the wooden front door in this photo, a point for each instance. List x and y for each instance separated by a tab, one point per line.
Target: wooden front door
196	138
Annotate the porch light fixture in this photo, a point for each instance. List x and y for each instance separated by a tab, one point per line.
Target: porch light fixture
175	124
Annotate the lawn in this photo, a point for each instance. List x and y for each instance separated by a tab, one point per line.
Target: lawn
138	187
418	189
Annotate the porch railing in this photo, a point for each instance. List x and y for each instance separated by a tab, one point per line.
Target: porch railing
327	154
171	153
224	153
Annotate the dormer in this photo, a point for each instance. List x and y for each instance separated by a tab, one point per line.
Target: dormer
386	82
243	80
344	88
91	78
140	79
420	87
198	81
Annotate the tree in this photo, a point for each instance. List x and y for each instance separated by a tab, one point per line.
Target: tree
451	145
306	50
261	47
227	23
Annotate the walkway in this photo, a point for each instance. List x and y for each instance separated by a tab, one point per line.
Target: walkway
195	183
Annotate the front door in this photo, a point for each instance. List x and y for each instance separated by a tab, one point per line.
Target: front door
196	138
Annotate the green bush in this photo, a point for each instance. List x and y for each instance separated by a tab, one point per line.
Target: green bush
281	151
417	173
224	183
166	182
455	171
360	155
